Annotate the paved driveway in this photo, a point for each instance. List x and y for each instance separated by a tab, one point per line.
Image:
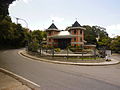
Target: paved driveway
62	77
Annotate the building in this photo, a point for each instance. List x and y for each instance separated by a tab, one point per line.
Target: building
73	35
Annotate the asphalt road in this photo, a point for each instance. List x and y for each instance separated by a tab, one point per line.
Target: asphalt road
62	77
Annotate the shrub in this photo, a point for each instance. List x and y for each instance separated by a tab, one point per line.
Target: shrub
50	47
57	49
44	46
75	49
34	46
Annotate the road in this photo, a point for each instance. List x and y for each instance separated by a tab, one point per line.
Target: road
62	77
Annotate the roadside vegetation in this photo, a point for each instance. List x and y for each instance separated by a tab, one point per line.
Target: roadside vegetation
12	35
115	44
15	36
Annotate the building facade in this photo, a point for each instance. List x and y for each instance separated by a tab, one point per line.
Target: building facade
71	36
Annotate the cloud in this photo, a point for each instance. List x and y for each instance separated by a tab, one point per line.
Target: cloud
17	2
113	30
114	27
26	1
57	19
14	3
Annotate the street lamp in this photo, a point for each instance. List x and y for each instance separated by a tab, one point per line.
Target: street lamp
97	38
26	27
53	50
22	20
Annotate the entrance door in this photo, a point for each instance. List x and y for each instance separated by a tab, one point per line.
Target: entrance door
63	43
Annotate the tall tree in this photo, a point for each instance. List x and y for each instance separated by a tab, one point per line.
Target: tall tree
92	32
12	35
38	35
115	44
4	5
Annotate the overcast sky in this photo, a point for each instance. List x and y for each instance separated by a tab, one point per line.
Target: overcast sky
40	13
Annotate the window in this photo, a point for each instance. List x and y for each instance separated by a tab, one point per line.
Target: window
74	45
49	40
80	31
74	31
81	39
74	39
49	33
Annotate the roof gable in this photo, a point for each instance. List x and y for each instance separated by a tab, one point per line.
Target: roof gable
76	24
52	26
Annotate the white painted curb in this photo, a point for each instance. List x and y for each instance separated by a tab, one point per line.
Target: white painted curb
24	81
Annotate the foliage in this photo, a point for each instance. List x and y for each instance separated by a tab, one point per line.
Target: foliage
92	32
12	35
44	46
75	49
33	46
57	49
79	49
4	5
106	41
50	47
38	35
115	44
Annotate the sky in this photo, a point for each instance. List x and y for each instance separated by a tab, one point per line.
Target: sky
40	13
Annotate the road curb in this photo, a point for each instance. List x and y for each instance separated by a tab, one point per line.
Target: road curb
112	62
24	81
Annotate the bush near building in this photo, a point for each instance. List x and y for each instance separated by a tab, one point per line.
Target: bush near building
57	49
33	46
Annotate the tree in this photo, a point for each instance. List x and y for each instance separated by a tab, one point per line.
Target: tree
12	35
106	42
89	35
6	30
33	46
115	44
4	5
92	32
38	35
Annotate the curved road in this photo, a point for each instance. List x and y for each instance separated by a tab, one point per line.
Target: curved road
62	77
